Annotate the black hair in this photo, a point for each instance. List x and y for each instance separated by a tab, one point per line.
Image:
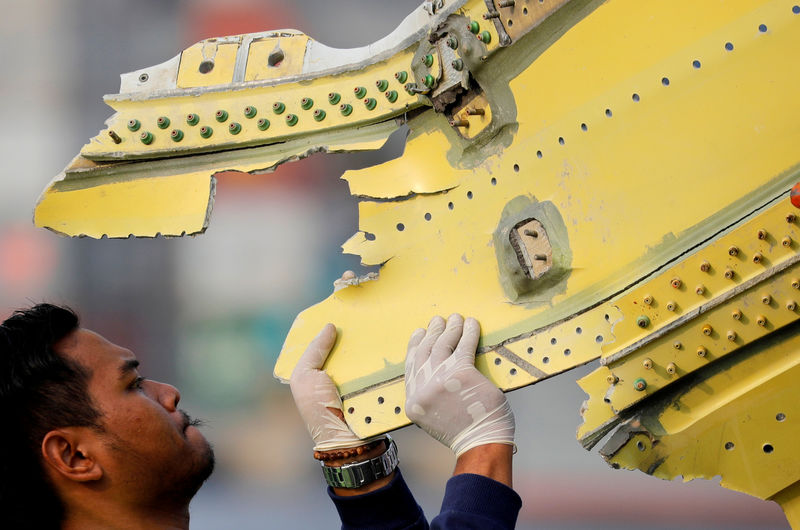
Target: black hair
40	390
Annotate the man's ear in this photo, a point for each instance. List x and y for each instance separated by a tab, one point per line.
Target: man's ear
68	453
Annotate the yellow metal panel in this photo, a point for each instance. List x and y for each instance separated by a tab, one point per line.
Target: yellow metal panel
221	54
292	49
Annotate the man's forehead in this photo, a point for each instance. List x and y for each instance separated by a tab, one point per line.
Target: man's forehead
93	350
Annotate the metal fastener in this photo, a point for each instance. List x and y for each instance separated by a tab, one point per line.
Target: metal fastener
115	137
133	125
761	234
677	345
672	368
647	300
640	384
459	123
250	112
162	122
705	266
707	329
733	251
206	131
671	306
263	124
452	42
791	305
383	85
790	218
427	60
176	135
401	76
490	15
701	351
291	120
643	321
736	314
346	109
306	103
319	115
612	379
761	320
146	137
221	115
474	27
766	299
485	37
457	64
391	95
758	257
647	364
234	128
786	241
192	119
700	289
506	3
731	335
334	98
278	107
729	273
795	283
475	112
676	283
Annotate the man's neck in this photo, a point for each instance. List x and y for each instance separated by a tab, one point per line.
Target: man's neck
120	518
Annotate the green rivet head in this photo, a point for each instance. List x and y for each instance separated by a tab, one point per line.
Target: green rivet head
263	124
428	60
474	27
429	81
234	128
458	65
291	120
176	135
391	96
134	125
221	115
410	88
192	119
486	37
250	112
162	122
346	109
370	103
401	76
278	107
643	321
146	137
382	85
640	384
334	98
360	91
319	114
306	103
206	131
452	42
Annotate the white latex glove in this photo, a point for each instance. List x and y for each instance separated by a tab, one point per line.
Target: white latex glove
446	395
315	395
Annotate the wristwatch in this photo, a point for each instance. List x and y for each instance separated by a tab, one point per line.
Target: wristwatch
360	474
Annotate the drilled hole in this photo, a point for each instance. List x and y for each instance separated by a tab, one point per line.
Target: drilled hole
275	58
578	331
584	127
510	22
635	97
497	360
640	446
762	28
530	349
397	410
351	410
513	371
545	360
598	338
428	216
608	113
400	227
767	448
538	154
729	46
796	10
380	400
696	63
729	446
369	236
524	10
780	416
567	351
451	205
560	140
469	195
665	81
553	341
368	419
516	168
606	400
607	317
143	78
494	181
206	66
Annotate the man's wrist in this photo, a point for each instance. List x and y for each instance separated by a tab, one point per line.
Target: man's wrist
490	460
369	454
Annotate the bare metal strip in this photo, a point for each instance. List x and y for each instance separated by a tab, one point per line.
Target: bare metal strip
510	356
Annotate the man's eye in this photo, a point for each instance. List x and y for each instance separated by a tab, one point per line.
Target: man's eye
137	383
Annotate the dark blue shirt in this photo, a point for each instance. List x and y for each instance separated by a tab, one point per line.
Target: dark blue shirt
470	501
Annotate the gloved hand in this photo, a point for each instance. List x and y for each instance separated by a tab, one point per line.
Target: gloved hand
318	400
446	395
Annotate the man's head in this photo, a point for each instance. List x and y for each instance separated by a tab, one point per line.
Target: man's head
82	428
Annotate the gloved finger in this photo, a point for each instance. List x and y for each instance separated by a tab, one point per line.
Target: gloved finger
447	341
316	353
423	350
468	345
413	342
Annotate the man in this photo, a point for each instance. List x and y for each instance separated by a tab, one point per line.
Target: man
88	443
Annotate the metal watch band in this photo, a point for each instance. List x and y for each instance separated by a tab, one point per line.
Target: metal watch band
360	474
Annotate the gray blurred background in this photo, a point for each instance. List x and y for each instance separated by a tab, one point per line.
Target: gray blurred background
209	314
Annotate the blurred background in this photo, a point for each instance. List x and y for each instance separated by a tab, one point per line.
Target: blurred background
209	314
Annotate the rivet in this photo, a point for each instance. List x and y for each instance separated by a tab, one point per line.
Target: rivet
640	384
506	3
702	352
790	218
729	273
700	289
736	314
647	300
334	98
452	42
761	320
643	321
370	103
221	115
234	128
766	299
791	305
319	115
758	257
206	131
427	60
115	137
731	335
676	283
360	92
176	135
382	85
391	96
795	283
672	368
786	241
705	266
278	107
429	81
671	306
707	329
401	76
133	125
146	137
474	27
647	364
263	124
346	109
733	251
411	88
250	112
677	345
457	65
459	123
612	379
761	234
306	103
162	122
485	36
291	120
475	112
192	119
491	14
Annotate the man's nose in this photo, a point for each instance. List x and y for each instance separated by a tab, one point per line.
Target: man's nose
168	396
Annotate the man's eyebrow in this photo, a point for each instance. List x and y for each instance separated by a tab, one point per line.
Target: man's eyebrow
128	367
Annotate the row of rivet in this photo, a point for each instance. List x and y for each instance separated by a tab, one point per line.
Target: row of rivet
263	124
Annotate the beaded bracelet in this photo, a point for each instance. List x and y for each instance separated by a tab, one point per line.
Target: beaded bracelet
336	454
